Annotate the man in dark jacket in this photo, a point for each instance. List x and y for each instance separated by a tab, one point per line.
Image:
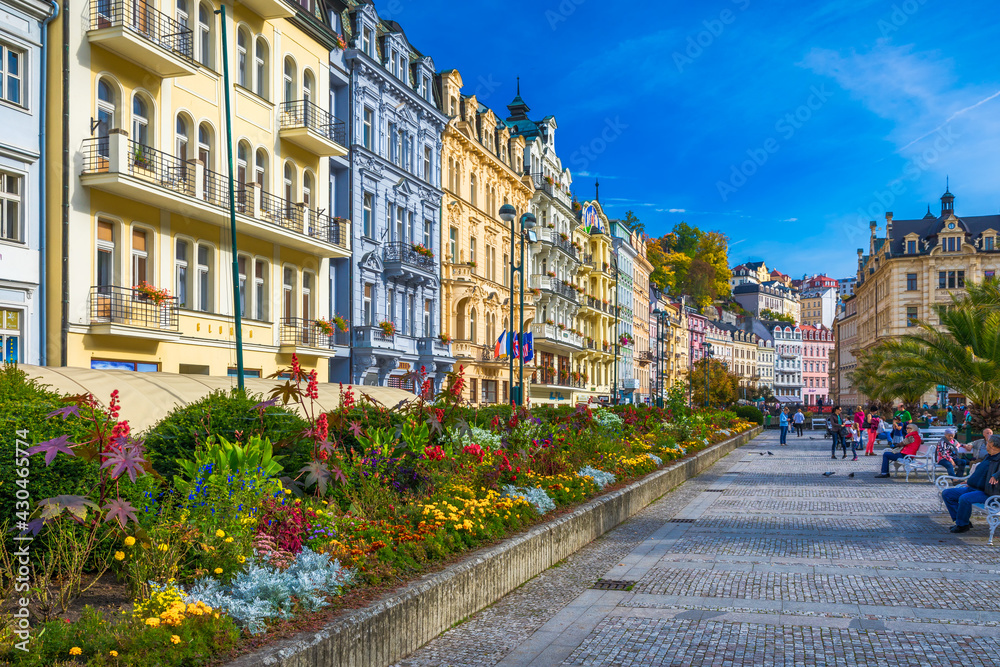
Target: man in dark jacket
982	483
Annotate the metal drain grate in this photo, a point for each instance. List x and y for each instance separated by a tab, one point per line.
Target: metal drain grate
715	490
682	521
613	585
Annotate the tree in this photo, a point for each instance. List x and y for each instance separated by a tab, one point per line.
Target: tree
722	384
632	221
768	314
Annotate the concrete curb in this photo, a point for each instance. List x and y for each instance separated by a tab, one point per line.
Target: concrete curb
403	621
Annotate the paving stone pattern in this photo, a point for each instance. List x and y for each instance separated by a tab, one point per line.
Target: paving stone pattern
773	564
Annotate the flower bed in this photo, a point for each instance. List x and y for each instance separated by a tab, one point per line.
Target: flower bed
240	540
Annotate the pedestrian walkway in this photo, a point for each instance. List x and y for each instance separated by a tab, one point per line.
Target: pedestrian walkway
759	561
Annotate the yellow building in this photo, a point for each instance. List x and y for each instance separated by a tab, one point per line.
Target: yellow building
916	265
480	158
146	198
597	316
643	355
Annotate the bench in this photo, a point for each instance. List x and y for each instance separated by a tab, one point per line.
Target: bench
991	508
818	423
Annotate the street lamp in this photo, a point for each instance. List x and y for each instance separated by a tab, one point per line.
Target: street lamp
662	321
508	214
708	381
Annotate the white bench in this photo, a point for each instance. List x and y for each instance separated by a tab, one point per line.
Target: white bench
991	508
924	461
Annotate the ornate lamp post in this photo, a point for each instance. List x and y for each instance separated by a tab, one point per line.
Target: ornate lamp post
508	213
662	322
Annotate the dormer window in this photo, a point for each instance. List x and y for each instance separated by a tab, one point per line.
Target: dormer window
988	243
366	40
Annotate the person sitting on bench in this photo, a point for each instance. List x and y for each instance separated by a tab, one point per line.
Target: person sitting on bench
981	485
911	443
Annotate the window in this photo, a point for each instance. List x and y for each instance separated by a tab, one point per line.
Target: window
411	313
366	216
473	390
260	169
288	293
140	121
205	145
960	281
366	131
911	282
242	61
183	15
400	231
241	267
140	257
242	155
106	111
260	291
307	309
288	178
366	41
181	137
204	269
10	208
453	244
260	66
105	255
911	316
472	325
427	318
136	366
11	76
911	247
472	189
308	86
307	188
289	81
181	258
427	235
988	243
366	305
390	305
204	38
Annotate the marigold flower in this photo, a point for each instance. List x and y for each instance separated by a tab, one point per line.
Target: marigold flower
113	654
153	622
164	547
218	570
119	555
228	540
129	541
76	650
174	639
220	533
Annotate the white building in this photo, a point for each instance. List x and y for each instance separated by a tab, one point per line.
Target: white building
787	362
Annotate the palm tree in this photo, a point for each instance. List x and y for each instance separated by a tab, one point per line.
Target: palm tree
963	352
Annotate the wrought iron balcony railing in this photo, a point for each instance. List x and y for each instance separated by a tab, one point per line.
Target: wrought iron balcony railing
112	304
143	19
405	254
304	332
303	113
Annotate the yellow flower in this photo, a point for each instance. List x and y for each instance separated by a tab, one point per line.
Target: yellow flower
153	622
119	555
113	654
76	650
228	540
164	547
288	491
129	541
218	570
220	533
241	559
174	639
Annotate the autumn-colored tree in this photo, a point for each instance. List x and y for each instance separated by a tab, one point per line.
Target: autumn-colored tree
722	385
690	261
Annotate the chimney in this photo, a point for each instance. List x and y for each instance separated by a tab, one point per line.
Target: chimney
888	232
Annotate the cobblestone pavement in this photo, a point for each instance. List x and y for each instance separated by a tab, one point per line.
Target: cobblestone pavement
758	561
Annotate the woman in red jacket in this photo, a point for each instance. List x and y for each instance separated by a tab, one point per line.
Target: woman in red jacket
911	443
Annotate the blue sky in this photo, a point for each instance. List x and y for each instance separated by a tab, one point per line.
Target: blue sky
838	111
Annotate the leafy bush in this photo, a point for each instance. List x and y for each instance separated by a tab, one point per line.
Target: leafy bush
232	415
601	478
537	497
24	406
750	414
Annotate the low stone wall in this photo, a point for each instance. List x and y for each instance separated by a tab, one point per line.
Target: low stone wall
405	620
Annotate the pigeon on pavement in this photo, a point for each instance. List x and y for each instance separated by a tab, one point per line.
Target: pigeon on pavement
770	454
827	474
851	475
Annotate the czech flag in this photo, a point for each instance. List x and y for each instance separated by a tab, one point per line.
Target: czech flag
500	349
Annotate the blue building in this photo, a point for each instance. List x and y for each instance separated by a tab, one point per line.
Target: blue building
22	27
390	187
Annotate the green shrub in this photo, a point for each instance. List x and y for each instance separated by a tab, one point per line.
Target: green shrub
233	416
24	405
750	414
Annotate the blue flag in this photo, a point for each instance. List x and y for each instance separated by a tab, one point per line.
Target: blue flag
528	348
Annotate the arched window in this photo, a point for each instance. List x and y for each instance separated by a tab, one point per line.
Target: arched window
182	135
107	107
308	86
288	87
140	121
307	188
260	68
205	145
288	293
183	14
289	182
242	57
204	42
260	169
472	325
242	160
472	189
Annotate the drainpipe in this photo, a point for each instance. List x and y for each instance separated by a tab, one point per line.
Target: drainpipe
64	265
42	227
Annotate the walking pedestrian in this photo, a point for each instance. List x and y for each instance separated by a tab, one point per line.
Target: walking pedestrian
850	435
798	419
783	425
836	426
874	423
950	417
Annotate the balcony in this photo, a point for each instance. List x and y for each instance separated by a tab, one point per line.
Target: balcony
555	286
138	32
433	346
645	357
302	336
562	378
561	241
269	9
630	383
551	186
124	311
374	337
550	333
312	128
403	262
133	171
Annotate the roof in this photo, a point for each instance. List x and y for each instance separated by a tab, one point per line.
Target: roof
147	397
927	228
